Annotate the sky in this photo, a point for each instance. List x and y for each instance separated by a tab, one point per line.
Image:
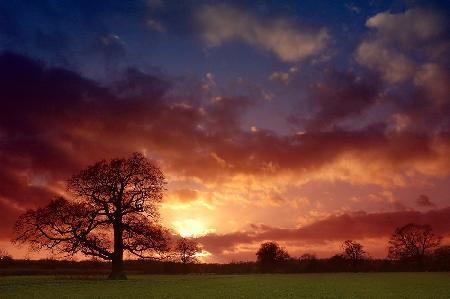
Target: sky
302	122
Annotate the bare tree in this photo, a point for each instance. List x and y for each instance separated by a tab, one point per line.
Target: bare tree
187	249
413	241
114	209
353	252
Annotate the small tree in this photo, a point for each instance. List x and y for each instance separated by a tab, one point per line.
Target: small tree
308	262
114	209
187	249
270	254
353	252
413	242
307	257
4	256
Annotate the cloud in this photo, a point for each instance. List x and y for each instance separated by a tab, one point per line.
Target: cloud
341	95
223	23
353	8
156	25
410	52
284	78
435	80
186	195
111	47
394	66
9	215
408	28
62	122
335	228
398	40
424	201
211	133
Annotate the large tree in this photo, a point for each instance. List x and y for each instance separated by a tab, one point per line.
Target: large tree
413	242
113	208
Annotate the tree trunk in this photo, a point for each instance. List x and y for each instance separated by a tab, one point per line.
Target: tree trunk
420	263
117	272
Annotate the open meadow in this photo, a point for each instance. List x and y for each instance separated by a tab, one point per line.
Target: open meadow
330	285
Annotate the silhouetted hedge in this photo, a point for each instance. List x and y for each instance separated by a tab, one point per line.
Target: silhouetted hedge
440	261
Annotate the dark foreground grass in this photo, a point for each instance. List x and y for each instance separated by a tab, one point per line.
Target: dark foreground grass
340	285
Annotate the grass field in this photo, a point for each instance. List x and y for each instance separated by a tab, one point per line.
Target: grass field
341	285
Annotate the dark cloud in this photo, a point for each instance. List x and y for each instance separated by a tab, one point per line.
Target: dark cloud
81	35
340	96
424	201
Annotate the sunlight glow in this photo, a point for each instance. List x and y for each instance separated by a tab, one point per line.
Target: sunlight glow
191	228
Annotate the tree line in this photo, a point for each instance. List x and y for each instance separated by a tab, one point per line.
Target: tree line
412	247
113	209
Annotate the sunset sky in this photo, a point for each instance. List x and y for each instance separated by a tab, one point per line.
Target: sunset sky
302	122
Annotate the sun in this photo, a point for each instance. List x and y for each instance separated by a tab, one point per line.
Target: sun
191	227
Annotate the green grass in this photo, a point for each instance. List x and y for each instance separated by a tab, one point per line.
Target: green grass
340	285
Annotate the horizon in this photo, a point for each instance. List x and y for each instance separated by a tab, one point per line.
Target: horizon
296	122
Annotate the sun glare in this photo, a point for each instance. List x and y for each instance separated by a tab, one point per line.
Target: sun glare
191	227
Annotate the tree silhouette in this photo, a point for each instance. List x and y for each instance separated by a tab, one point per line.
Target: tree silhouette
441	257
413	242
4	256
114	209
353	252
186	250
270	254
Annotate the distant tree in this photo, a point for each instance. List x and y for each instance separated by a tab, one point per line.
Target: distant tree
270	254
336	263
186	250
308	262
353	252
114	209
307	257
441	257
413	242
5	256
